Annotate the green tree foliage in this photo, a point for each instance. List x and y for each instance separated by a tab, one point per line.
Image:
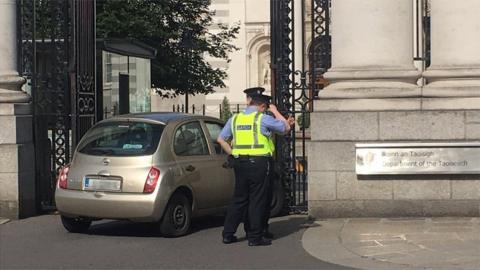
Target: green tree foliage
225	112
179	32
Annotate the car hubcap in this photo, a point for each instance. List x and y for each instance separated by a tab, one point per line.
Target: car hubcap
179	216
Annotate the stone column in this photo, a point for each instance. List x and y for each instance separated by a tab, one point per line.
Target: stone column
455	45
10	82
17	177
372	50
298	35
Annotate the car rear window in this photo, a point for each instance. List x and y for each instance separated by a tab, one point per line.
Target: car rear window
121	139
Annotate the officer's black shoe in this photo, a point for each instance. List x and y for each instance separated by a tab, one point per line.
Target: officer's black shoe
260	242
229	239
268	235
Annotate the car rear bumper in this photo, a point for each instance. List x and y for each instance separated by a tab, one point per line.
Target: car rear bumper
136	207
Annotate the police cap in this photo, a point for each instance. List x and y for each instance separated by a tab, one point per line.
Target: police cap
262	98
254	91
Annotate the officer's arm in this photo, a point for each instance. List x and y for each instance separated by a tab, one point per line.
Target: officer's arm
225	145
272	108
224	135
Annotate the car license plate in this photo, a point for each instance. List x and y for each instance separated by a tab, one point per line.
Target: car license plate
96	184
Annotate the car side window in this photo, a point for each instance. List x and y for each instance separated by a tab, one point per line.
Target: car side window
214	130
189	140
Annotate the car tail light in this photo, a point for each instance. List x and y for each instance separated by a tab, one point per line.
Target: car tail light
152	180
62	176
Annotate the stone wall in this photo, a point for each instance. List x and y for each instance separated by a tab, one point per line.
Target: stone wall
17	171
334	189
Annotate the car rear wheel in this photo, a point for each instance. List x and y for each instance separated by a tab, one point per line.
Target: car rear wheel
177	217
76	225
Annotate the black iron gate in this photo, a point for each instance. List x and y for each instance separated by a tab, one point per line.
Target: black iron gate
83	85
296	85
57	57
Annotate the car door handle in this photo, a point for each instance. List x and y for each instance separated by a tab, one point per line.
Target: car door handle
190	168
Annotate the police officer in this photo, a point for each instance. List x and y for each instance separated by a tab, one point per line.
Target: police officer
251	151
249	92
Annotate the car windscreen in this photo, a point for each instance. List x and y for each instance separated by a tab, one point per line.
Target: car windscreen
124	138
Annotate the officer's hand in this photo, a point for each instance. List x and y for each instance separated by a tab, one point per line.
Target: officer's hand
273	108
291	120
229	163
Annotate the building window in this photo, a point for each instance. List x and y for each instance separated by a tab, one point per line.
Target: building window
108	68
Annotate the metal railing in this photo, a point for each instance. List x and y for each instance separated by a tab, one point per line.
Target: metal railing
202	109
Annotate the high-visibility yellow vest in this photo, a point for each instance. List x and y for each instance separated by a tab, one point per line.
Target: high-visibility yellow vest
271	145
247	136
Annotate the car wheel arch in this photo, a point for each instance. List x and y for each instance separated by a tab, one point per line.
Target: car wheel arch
187	192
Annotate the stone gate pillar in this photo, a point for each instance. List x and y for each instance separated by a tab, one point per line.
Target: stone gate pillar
455	57
17	177
372	50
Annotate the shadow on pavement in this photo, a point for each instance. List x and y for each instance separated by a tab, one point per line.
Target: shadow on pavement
123	228
138	229
289	225
280	227
204	223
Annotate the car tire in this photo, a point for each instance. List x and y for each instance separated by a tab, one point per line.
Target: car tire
177	217
76	225
278	198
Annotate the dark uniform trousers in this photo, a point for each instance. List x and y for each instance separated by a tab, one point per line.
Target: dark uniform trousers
250	196
271	179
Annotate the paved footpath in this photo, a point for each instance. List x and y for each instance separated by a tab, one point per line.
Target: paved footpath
397	243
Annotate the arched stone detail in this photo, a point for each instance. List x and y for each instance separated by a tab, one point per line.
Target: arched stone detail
258	62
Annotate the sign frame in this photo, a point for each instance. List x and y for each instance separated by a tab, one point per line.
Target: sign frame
417	158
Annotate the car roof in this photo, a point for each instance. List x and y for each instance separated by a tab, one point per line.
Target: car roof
164	117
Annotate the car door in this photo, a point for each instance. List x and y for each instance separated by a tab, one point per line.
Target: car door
225	180
193	157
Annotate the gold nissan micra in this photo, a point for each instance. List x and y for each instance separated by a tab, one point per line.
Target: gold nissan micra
152	167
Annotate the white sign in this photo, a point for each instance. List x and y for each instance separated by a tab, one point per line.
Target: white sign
418	158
